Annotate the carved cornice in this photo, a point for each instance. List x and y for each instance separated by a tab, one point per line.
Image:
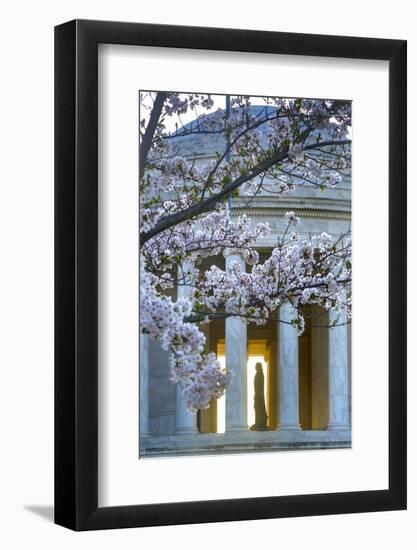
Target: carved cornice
302	213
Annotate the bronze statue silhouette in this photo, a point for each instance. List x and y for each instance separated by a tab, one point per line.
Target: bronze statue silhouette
259	400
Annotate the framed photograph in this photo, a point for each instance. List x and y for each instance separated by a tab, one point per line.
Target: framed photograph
230	253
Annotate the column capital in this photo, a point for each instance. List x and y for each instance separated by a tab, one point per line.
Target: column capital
230	258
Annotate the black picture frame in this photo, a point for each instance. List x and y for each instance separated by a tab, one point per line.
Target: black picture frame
76	272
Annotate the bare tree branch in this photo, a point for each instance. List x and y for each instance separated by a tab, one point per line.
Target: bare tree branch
150	131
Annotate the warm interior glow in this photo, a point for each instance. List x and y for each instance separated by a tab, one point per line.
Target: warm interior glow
251	370
252	360
221	403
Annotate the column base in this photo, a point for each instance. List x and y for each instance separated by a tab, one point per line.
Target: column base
289	427
186	431
237	429
334	427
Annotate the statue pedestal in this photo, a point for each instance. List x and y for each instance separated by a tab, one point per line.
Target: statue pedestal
255	428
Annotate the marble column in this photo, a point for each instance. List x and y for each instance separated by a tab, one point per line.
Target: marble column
236	364
288	372
338	372
208	417
185	421
144	386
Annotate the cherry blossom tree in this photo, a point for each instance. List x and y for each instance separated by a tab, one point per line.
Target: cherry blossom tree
185	218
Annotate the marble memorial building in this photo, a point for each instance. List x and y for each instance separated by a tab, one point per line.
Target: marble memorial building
307	379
